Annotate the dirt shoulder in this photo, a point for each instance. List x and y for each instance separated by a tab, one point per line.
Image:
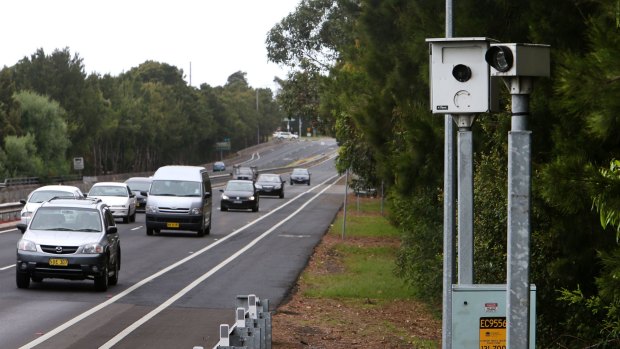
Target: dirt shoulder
303	322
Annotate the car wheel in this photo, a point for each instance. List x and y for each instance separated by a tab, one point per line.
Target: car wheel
149	231
126	219
201	231
133	217
102	281
113	280
291	182
22	279
282	194
223	208
308	182
255	208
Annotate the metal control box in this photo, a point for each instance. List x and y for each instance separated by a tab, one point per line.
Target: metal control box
479	316
460	77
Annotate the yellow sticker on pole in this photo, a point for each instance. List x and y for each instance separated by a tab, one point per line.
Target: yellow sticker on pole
492	333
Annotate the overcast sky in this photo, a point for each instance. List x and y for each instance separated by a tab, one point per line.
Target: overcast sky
218	37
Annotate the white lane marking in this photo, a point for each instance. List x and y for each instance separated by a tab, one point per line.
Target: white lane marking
136	228
7	267
128	330
8	231
141	283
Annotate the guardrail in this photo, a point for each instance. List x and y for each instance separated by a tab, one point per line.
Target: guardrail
10	212
252	327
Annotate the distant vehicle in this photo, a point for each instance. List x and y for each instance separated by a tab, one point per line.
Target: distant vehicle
118	196
248	173
180	198
300	176
39	195
73	239
241	195
270	184
285	135
137	186
219	166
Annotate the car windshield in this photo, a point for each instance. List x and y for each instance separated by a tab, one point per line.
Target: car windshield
104	190
44	195
300	172
139	185
239	186
66	219
175	188
245	170
270	179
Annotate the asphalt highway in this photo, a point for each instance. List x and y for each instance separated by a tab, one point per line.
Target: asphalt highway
175	289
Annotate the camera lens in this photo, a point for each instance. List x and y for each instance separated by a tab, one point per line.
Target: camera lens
500	58
461	72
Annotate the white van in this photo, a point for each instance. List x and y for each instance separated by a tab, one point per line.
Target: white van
179	199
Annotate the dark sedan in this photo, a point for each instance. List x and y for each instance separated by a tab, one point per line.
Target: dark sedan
137	186
239	195
300	176
270	184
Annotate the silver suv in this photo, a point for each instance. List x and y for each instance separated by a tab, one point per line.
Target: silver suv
73	239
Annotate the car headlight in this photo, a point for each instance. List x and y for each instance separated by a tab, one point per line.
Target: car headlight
252	198
277	186
26	245
26	214
196	210
258	186
150	209
92	248
224	197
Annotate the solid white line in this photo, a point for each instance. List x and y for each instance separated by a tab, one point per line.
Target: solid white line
7	267
136	228
141	283
205	276
8	231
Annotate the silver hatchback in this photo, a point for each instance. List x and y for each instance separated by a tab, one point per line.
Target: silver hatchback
73	239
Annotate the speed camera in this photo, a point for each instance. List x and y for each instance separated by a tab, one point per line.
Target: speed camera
459	76
518	59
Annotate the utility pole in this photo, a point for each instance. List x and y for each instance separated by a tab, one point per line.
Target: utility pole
257	121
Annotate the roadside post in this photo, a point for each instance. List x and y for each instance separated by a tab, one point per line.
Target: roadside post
464	73
518	65
461	88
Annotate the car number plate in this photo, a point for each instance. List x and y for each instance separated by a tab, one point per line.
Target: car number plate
59	262
172	225
237	201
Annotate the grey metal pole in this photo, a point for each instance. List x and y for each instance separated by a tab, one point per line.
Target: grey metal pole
519	207
465	199
344	217
449	213
257	121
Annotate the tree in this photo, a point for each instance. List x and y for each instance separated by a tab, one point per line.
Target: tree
21	156
44	121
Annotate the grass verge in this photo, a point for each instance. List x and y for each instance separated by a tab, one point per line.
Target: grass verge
349	297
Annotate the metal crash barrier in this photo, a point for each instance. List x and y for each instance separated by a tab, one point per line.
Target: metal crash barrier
252	328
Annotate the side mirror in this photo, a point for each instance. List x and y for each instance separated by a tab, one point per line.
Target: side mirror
144	193
222	190
85	195
207	195
22	201
112	230
22	227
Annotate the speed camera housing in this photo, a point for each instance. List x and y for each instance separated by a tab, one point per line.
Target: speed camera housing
459	76
508	60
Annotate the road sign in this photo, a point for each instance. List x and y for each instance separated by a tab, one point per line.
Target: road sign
78	163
